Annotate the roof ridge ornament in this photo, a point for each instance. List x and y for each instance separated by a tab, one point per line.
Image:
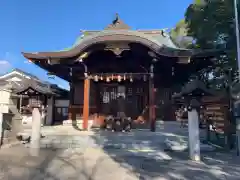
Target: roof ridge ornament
164	33
116	18
117	24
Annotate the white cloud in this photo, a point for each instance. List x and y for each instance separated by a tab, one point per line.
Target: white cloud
4	62
5	66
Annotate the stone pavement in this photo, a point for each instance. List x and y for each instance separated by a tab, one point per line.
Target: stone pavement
119	156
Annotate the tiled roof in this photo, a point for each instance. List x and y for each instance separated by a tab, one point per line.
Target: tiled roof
17	87
161	38
118	25
193	86
35	83
26	73
157	40
41	88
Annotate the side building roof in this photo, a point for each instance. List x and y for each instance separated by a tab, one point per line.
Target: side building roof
28	80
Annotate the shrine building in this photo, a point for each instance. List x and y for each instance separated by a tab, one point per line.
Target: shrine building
144	67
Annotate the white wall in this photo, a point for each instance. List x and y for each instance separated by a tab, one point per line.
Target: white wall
4	101
61	103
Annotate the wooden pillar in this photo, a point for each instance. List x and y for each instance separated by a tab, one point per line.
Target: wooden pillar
86	103
69	112
71	98
152	113
152	110
50	104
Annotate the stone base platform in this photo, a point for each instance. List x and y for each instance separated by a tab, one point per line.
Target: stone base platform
77	123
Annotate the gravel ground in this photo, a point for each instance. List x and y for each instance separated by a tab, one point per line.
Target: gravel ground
119	156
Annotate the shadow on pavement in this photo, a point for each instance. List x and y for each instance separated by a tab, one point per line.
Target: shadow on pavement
109	155
142	153
50	164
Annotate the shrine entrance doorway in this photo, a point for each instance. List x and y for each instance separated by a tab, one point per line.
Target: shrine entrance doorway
130	99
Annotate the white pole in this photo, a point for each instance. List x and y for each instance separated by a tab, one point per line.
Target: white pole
238	60
193	134
20	104
36	132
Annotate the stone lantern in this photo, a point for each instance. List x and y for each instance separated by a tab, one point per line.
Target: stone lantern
192	94
36	94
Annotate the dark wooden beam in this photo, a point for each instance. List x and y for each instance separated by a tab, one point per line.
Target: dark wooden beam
86	103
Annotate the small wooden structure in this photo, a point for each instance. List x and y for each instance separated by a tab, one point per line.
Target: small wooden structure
192	94
38	95
37	102
34	90
214	111
17	105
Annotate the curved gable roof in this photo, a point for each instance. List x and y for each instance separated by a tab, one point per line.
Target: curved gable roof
162	45
159	38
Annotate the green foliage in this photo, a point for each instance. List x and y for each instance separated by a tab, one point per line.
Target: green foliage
179	35
211	24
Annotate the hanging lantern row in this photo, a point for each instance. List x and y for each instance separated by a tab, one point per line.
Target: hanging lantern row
118	77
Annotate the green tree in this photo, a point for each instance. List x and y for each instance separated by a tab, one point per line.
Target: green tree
179	35
211	24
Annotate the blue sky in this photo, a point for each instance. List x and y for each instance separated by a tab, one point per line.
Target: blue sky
49	25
